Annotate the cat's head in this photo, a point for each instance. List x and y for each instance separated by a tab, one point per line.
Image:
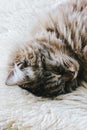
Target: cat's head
25	66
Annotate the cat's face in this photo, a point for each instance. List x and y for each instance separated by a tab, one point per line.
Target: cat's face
26	67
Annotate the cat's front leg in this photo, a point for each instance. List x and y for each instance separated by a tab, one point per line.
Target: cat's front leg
85	53
84	65
63	65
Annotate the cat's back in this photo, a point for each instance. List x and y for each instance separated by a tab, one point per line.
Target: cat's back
67	22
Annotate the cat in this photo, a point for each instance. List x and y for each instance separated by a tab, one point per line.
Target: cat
54	61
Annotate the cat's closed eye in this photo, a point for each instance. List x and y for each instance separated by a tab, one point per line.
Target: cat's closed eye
24	64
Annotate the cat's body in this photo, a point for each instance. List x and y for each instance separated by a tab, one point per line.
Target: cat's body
55	59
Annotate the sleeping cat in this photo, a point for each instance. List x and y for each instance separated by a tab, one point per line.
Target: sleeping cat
54	61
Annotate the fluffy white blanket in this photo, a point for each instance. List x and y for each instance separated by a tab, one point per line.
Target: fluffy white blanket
20	110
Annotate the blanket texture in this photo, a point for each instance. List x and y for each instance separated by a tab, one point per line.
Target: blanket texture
19	109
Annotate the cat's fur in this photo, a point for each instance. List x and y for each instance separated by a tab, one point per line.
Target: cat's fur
55	59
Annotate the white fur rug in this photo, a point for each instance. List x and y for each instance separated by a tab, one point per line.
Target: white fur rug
20	110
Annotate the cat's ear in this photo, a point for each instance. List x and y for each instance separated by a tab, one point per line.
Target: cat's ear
15	76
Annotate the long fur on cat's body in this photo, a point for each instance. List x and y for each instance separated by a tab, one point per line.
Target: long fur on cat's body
55	59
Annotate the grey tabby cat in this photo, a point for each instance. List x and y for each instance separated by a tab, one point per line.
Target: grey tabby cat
54	61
